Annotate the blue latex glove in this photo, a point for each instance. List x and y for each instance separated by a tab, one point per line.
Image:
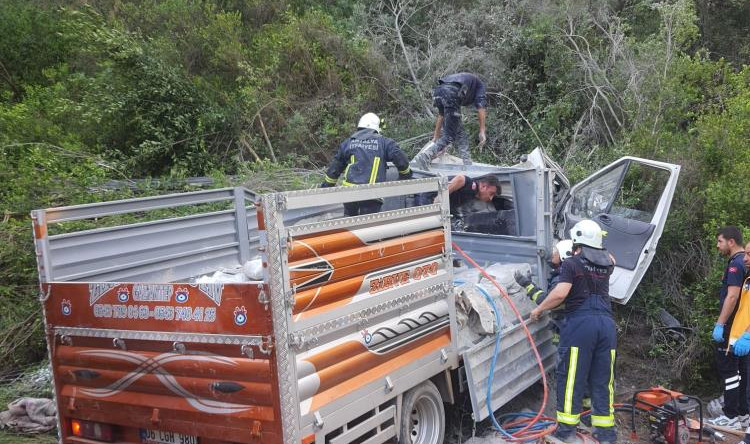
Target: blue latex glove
742	346
718	334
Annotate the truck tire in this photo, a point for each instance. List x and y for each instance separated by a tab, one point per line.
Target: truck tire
422	416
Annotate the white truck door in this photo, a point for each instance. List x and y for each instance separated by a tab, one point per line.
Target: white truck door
630	199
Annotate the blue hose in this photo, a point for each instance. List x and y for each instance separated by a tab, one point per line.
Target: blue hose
494	357
540	425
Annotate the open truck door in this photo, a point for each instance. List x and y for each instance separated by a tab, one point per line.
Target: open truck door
630	199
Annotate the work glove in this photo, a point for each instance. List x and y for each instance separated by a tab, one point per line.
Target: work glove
406	176
718	333
523	279
325	185
742	346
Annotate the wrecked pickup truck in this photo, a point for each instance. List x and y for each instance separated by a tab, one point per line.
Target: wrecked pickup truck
346	329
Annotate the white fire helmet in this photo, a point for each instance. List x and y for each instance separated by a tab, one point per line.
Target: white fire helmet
565	249
370	121
587	232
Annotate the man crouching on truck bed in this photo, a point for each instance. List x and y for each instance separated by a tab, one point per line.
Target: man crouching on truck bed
463	189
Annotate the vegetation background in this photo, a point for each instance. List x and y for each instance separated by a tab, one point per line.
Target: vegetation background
97	90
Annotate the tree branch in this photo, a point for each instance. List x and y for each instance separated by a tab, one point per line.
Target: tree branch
265	136
397	9
9	80
520	113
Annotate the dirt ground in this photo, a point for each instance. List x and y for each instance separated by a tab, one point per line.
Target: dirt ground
462	430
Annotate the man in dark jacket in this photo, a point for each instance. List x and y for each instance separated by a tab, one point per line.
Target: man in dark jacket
363	159
451	93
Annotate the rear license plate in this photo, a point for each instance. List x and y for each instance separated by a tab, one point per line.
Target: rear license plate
163	437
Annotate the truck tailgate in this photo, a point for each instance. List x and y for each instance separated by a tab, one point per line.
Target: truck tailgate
193	359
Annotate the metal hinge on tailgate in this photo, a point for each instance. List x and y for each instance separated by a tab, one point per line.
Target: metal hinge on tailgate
290	299
296	340
263	298
266	345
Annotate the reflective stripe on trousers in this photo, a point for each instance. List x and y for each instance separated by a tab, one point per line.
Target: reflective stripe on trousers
586	361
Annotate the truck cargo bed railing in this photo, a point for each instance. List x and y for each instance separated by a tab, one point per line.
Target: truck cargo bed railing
163	249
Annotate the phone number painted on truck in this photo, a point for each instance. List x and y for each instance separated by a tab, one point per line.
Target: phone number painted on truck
229	308
158	313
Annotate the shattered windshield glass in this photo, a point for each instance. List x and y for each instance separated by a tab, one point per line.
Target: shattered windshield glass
596	197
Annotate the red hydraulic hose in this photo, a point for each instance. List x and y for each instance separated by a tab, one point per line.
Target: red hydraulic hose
519	435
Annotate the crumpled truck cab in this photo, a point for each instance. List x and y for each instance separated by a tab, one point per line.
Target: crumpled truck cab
630	199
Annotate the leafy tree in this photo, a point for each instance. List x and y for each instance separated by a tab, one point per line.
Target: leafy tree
30	44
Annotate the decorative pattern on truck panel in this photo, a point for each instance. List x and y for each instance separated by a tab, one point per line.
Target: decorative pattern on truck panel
312	273
344	365
155	292
314	245
314	301
194	392
351	262
136	409
229	309
211	390
153	365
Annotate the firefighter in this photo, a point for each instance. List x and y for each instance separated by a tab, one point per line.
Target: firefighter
451	93
561	251
588	339
363	158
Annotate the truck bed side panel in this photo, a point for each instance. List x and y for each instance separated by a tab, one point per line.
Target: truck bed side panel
372	307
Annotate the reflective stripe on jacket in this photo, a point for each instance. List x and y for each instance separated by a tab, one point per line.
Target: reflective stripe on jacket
363	158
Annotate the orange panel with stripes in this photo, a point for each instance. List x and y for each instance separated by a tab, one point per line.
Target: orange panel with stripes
327	270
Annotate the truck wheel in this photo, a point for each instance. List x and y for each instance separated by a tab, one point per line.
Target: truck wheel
422	415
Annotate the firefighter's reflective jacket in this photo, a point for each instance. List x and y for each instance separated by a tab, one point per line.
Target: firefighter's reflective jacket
363	159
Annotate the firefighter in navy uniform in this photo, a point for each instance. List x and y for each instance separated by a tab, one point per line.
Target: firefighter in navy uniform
363	159
561	251
588	337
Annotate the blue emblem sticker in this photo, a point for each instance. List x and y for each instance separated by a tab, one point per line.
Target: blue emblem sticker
181	295
367	337
123	295
240	315
66	308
